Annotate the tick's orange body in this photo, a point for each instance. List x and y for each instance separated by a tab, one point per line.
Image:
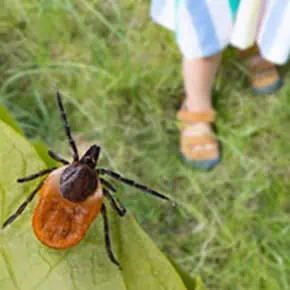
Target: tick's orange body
59	223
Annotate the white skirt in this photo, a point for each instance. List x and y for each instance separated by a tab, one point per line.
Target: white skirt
205	27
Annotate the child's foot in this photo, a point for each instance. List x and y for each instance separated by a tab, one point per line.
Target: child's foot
264	76
199	146
199	129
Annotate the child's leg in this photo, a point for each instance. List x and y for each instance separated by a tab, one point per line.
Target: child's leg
199	75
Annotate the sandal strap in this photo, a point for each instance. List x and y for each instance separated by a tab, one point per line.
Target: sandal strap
187	143
261	66
198	140
265	78
202	154
188	116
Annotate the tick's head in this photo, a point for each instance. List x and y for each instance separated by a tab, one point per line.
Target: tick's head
91	157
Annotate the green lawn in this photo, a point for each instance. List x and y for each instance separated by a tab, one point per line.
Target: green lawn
120	78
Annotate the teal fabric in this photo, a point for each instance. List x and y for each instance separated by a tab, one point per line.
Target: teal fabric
234	6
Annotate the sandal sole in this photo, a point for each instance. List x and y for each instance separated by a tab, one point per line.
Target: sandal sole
269	89
202	164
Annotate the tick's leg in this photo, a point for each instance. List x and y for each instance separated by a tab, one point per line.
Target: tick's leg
107	237
67	128
36	175
108	185
130	182
58	158
115	203
22	206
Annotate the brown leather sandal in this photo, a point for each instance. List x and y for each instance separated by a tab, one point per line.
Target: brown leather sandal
203	158
264	76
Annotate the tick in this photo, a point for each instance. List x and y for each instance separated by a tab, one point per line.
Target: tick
71	197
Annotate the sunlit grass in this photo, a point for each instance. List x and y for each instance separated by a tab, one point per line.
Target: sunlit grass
120	78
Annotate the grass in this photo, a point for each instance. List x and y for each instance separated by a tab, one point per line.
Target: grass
120	78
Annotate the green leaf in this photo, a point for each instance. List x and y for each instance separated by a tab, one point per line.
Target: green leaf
39	146
8	119
26	264
189	282
42	152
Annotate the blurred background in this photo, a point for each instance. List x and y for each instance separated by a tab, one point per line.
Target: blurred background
120	78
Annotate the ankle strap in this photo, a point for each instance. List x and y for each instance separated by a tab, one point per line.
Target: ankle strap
187	116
